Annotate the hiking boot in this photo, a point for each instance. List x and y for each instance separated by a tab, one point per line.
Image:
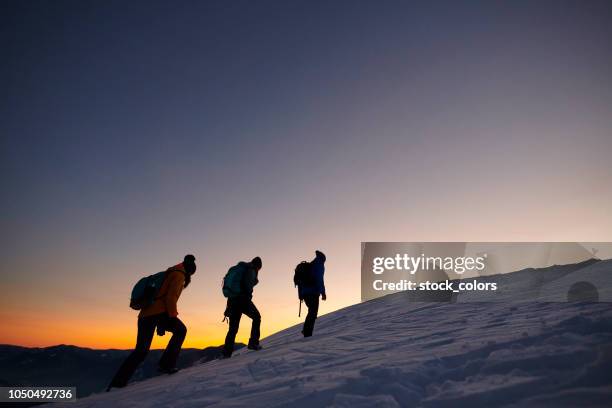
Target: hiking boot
255	347
168	371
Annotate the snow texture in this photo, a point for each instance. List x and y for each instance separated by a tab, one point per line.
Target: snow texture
390	352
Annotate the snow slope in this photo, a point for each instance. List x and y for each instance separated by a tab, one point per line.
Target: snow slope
389	352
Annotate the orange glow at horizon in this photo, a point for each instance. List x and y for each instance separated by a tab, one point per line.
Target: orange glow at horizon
113	325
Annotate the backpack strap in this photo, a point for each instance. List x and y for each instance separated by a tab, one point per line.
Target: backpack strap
161	295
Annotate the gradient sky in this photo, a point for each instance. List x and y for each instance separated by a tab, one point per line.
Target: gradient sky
134	133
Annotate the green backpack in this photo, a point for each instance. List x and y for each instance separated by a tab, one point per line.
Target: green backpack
232	280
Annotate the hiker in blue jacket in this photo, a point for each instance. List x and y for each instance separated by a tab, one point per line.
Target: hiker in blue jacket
309	291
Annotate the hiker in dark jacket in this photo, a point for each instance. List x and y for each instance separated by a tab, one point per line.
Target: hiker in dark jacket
241	303
310	293
162	315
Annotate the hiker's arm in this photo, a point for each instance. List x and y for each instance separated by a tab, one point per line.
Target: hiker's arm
321	281
174	291
322	285
319	265
248	280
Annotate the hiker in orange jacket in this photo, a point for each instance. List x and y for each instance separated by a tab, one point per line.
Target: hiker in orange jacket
161	315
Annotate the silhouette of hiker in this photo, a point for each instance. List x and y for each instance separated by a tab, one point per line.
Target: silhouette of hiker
310	285
238	288
161	314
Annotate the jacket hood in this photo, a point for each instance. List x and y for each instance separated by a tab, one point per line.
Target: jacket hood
179	267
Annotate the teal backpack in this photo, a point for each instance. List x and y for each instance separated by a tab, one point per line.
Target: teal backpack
146	289
231	282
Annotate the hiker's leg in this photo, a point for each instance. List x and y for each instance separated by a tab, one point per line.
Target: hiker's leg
146	329
312	302
170	356
235	313
251	311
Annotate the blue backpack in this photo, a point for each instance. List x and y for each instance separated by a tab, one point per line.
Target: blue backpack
146	290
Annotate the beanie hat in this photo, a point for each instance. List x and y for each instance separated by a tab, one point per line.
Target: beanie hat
256	262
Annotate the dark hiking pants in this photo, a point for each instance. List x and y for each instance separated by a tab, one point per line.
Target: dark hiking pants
236	307
146	330
312	303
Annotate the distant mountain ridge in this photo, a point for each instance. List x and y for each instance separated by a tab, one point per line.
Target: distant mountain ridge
90	370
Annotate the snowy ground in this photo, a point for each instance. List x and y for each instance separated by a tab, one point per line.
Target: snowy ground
389	352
